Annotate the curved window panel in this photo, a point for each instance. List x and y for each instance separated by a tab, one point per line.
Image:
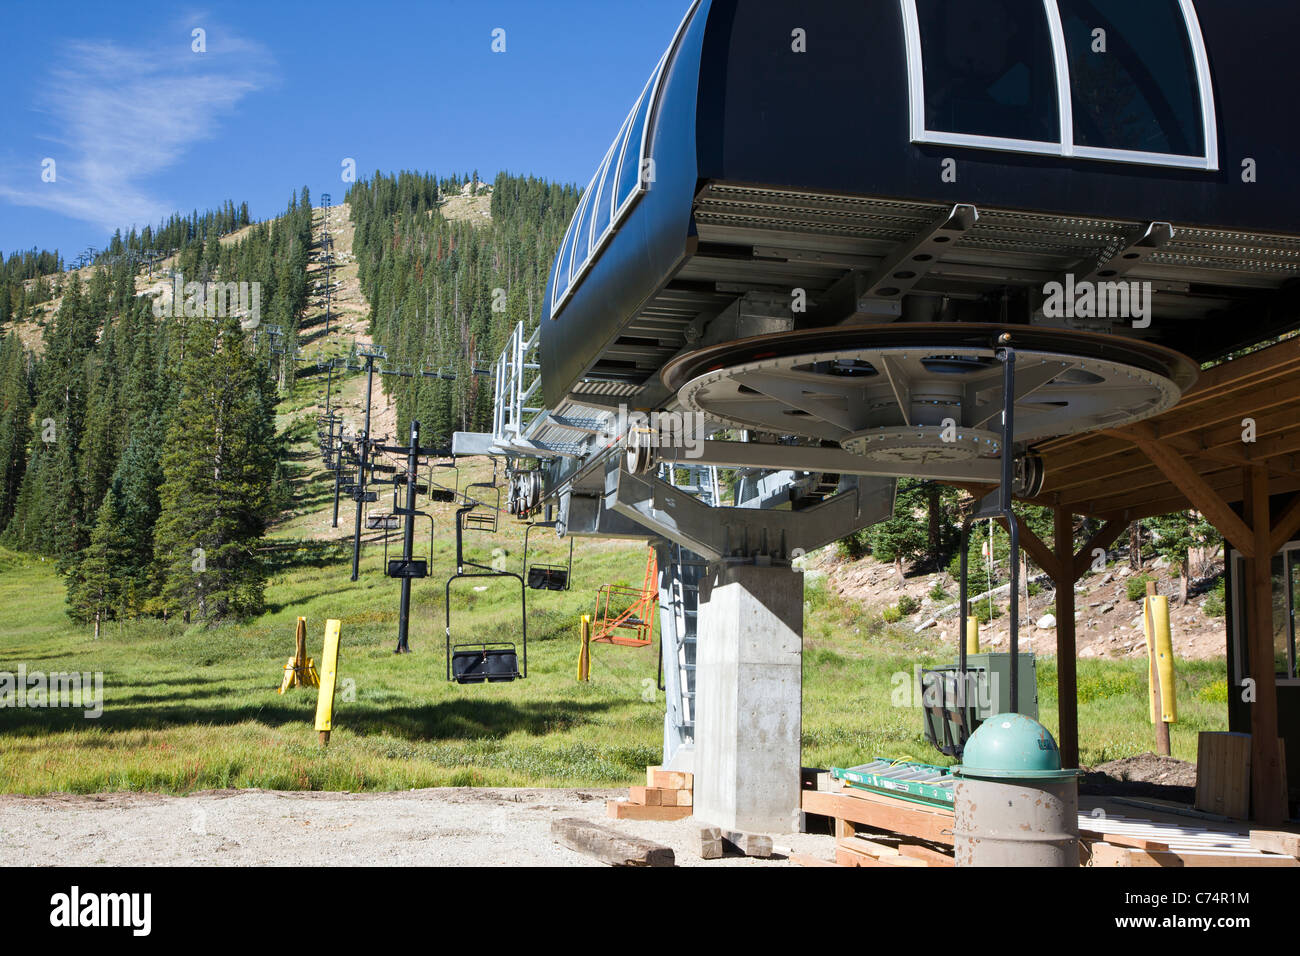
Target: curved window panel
601	218
561	283
631	163
582	245
576	258
1133	78
611	192
989	69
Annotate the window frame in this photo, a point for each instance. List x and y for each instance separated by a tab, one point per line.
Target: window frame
597	236
1290	554
570	273
1065	147
615	155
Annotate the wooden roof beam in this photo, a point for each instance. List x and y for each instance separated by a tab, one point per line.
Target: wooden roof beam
1204	498
1104	537
1039	551
1228	490
1147	481
1285	527
1237	454
1217	409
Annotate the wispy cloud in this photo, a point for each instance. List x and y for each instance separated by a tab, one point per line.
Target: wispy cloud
121	114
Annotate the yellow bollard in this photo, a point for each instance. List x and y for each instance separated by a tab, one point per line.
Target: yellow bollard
972	635
328	678
300	670
584	651
1157	617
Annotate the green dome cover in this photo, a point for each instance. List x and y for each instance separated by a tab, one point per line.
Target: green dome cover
1012	746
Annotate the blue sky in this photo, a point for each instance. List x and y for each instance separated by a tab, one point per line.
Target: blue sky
140	125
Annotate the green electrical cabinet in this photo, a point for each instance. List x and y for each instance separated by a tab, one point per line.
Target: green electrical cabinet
951	716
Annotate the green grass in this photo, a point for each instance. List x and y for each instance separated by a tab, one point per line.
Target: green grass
197	709
190	709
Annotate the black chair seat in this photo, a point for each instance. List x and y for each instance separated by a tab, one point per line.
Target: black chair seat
476	664
543	577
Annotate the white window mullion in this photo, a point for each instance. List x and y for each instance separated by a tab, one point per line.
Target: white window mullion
1064	100
1204	82
915	71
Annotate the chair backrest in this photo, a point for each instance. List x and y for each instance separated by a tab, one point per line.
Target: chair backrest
544	577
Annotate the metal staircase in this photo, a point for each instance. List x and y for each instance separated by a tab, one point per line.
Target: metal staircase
680	572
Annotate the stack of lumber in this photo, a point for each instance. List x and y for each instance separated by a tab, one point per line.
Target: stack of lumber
667	795
1125	841
876	830
1223	773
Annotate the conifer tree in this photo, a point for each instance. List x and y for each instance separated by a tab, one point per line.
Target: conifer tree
217	463
15	423
96	584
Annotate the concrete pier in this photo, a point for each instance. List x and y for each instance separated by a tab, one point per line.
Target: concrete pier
749	678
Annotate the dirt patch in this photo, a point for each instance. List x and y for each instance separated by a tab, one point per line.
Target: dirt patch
1108	624
475	208
439	827
1144	775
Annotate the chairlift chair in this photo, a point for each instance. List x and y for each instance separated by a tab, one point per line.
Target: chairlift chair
547	577
626	615
441	493
479	662
475	520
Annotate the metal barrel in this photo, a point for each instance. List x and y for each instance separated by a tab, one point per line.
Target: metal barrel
1016	822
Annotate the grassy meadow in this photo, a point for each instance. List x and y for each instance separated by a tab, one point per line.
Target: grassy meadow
195	709
191	709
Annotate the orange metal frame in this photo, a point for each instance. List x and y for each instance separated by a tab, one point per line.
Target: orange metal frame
633	626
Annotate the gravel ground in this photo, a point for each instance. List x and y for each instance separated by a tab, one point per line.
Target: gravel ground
438	827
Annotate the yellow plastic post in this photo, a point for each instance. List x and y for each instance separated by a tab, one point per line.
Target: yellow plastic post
328	677
1161	646
972	635
584	650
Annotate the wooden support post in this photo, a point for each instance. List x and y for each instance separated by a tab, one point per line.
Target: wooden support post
300	646
1286	527
1067	737
1106	535
1266	771
1036	549
1203	497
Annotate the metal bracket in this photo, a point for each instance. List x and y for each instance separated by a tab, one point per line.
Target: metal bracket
718	533
862	294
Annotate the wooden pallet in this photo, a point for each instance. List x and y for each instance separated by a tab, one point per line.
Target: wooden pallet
876	830
852	810
1128	841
